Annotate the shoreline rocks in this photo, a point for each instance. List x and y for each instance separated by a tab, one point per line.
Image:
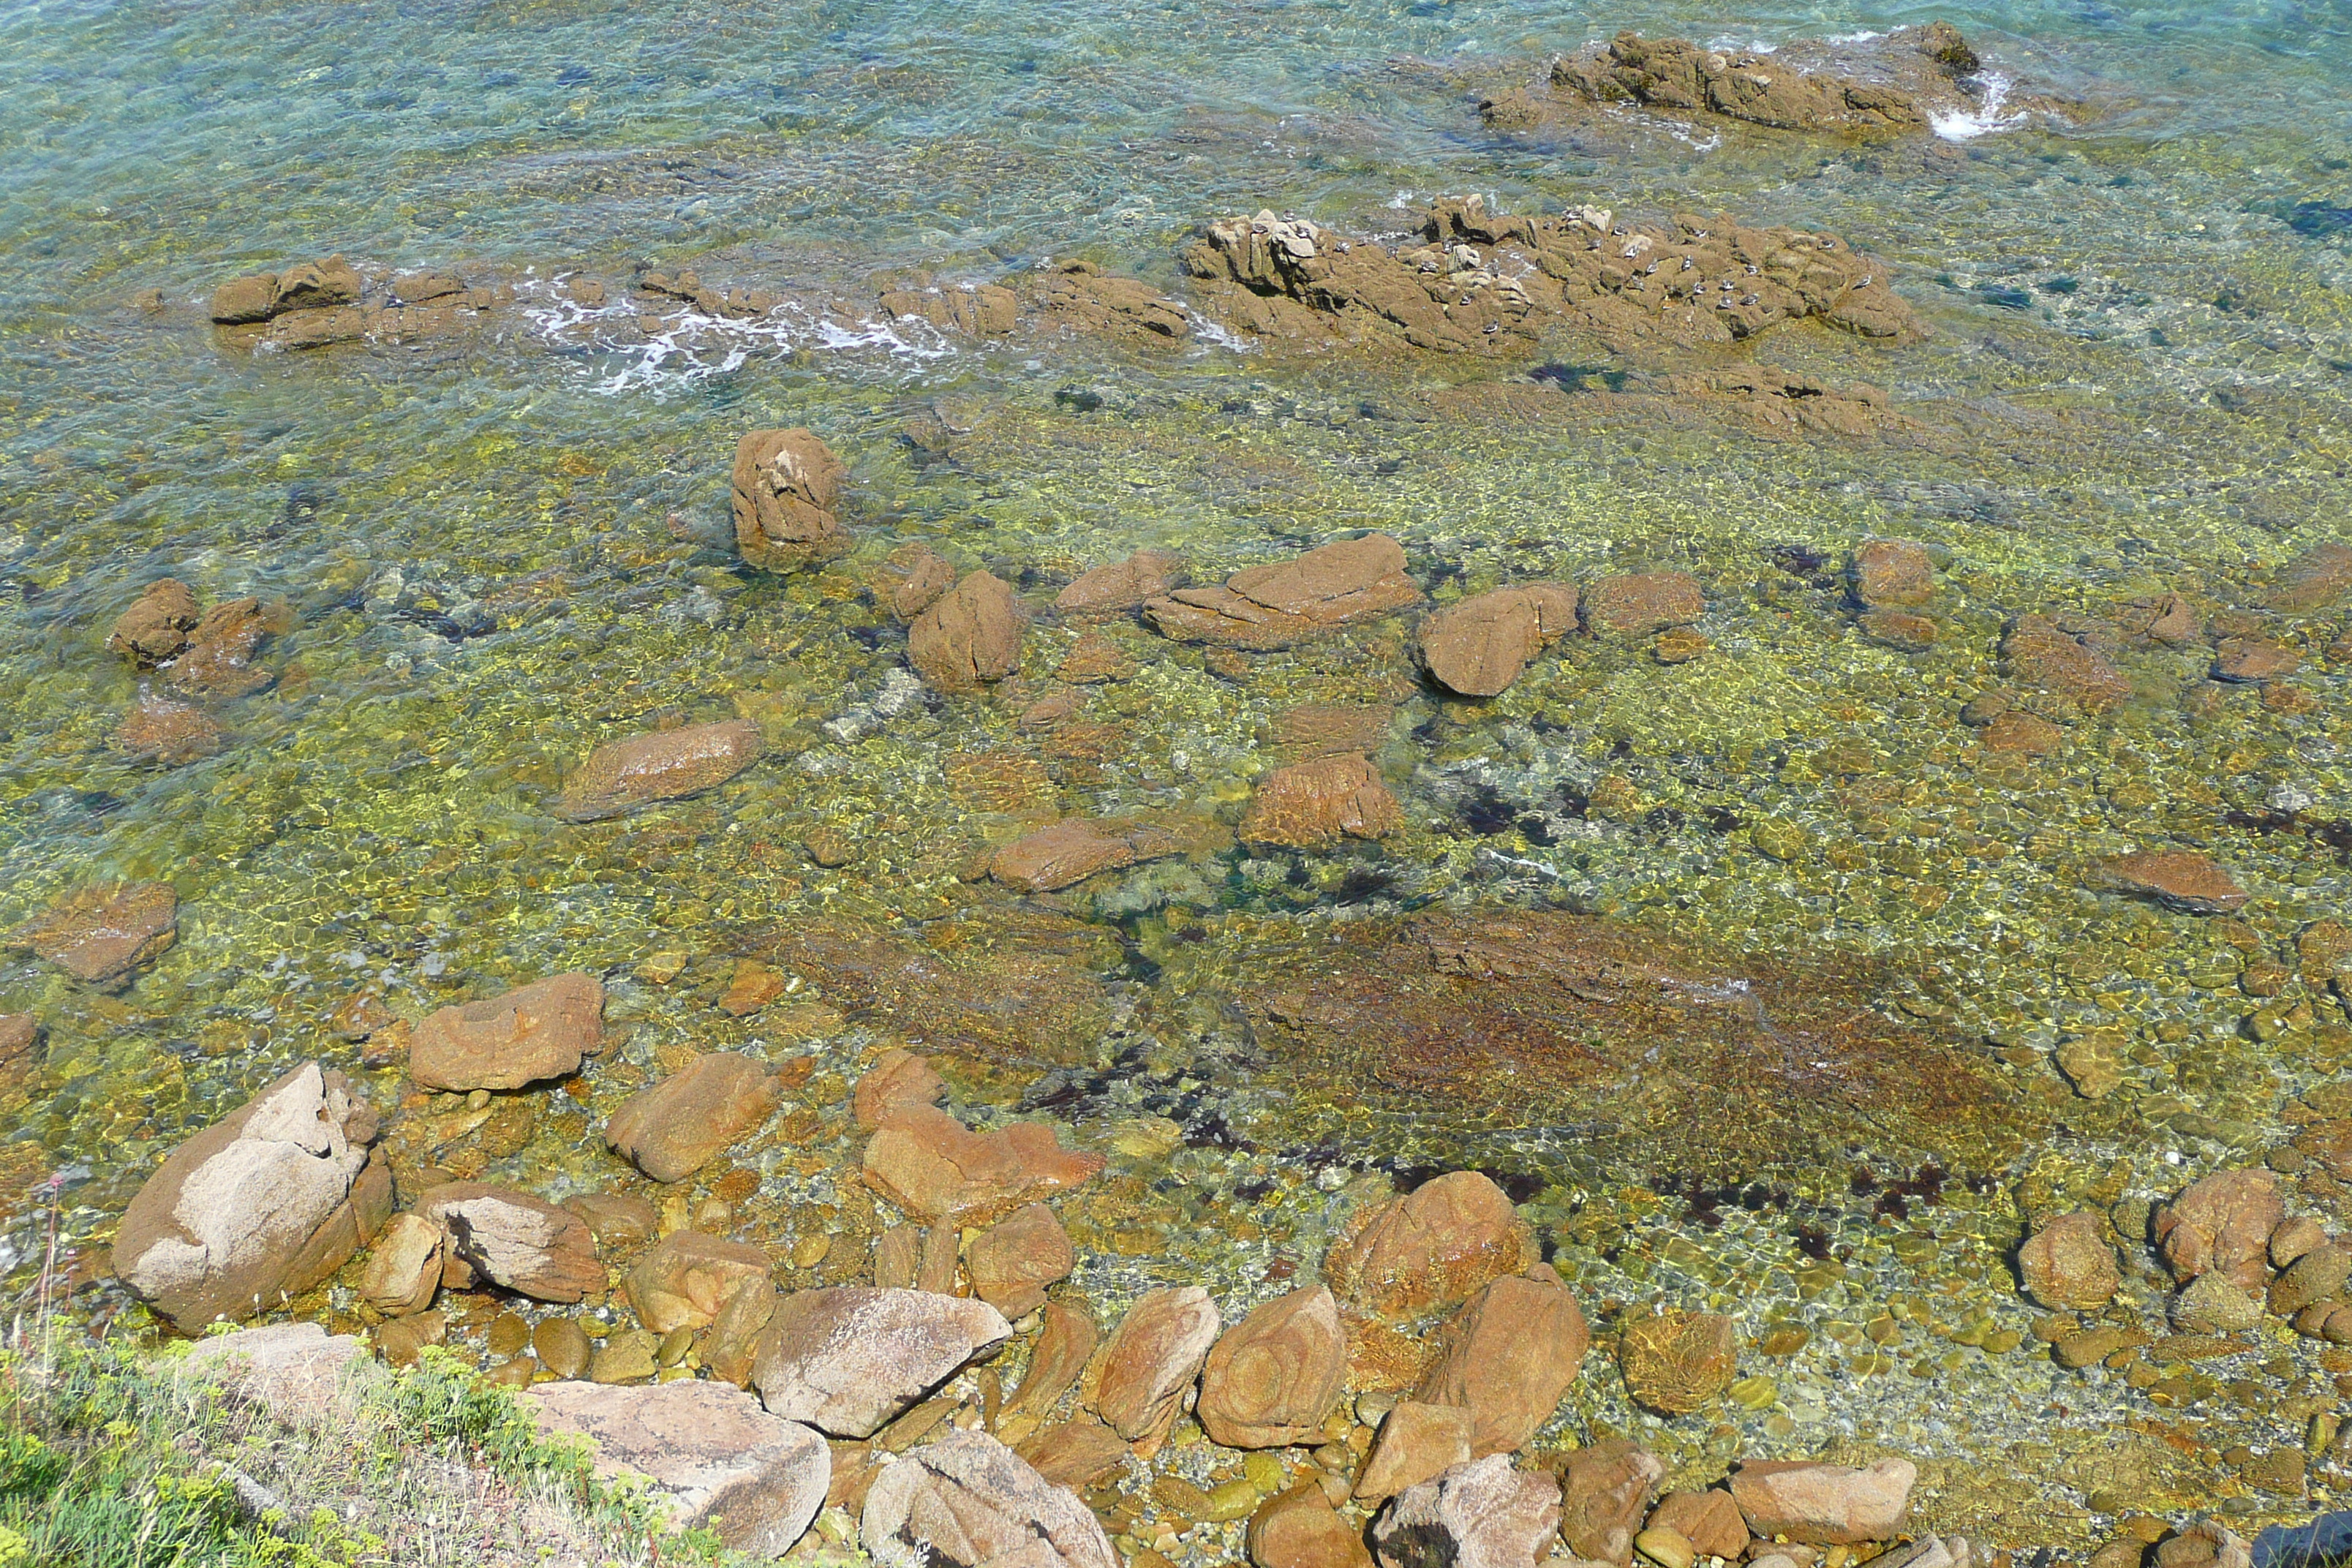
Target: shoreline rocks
528	1035
620	776
677	1126
786	501
514	1240
1433	1248
847	1359
1315	804
1272	606
1271	1379
971	1502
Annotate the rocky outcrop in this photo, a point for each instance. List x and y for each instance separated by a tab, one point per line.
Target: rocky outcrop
1437	1244
1494	283
682	1124
1291	600
1635	604
305	286
1315	804
2067	1265
1507	1358
1821	1504
971	1502
1478	647
2221	1224
970	638
787	500
911	579
668	764
849	1358
2181	879
313	304
158	730
1075	848
1080	296
1013	1261
935	1168
896	1080
968	309
1677	75
1122	586
531	1034
156	626
514	1240
708	1452
685	1279
219	660
1152	1357
258	1207
1271	1378
1484	1514
104	933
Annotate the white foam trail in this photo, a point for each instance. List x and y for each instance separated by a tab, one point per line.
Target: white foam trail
1728	45
1211	334
1861	38
1966	125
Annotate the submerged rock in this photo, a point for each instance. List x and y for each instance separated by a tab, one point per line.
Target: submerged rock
1013	1261
515	1240
1822	1504
1122	586
218	660
1605	1492
687	1277
969	638
158	730
1478	647
1484	1514
787	499
102	934
1634	605
1893	572
1435	1245
668	764
258	1207
156	626
913	578
969	1502
1271	1378
1152	1357
849	1358
2039	652
1313	803
1074	850
1676	74
1292	601
2068	1265
529	1034
934	1167
2183	879
2221	1224
2316	580
682	1124
1677	1361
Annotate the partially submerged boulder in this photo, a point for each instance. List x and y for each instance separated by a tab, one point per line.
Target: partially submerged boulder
969	638
532	1033
668	764
2221	1224
849	1358
1315	804
515	1240
1291	600
2184	880
1507	1358
1823	1504
1478	646
156	626
1075	849
403	1269
1433	1246
1013	1261
2068	1265
258	1207
1676	74
1271	1378
1122	586
1152	1357
104	933
969	1502
787	500
1635	604
677	1126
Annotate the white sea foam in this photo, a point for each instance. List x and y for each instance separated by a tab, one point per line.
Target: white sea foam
1728	45
1211	335
686	345
1967	125
1864	37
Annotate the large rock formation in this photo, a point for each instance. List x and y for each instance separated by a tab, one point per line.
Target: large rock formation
515	1240
1291	600
848	1358
258	1207
1676	74
787	500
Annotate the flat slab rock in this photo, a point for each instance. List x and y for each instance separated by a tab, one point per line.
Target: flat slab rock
1822	1504
1276	605
848	1358
292	1370
677	1126
934	1167
668	764
1478	646
1315	804
2182	879
971	1501
103	933
1075	848
530	1033
710	1451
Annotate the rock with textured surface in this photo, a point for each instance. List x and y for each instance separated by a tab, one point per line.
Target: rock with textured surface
1508	1358
1635	604
2205	1543
2316	1276
709	1452
1893	572
1075	849
935	1168
1432	1247
1478	647
530	1033
513	1239
913	578
1313	803
970	638
2067	1265
730	1346
218	662
259	1206
1064	1348
315	285
1822	1504
1605	1491
2181	879
618	1219
2221	1224
1013	1261
158	730
2212	1304
1152	1357
2039	652
1299	1529
1710	1520
292	1370
102	934
682	1124
1291	600
1675	1361
241	301
897	1079
787	500
1075	1453
1415	1443
156	626
849	1358
668	764
1273	1377
686	1276
1122	586
1484	1514
971	1502
404	1268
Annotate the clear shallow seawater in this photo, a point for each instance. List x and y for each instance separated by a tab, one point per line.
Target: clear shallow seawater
2137	380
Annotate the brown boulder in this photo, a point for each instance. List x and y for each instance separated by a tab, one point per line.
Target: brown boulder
158	730
1122	586
730	1346
1605	1490
2039	652
668	764
969	638
1273	1377
2182	879
934	1167
1075	1453
1478	647
1508	1357
315	285
2221	1224
897	1079
913	577
1064	1348
218	661
403	1269
2067	1265
1822	1504
1274	607
682	1124
241	301
1312	805
787	499
1677	1361
258	1207
1634	605
2251	660
1677	75
2313	580
848	1359
1484	1514
531	1034
103	933
618	1219
686	1276
156	626
2020	734
1079	294
1152	1357
1299	1529
1710	1520
1415	1443
1432	1247
1013	1261
971	1502
515	1240
1893	572
1074	850
2316	1276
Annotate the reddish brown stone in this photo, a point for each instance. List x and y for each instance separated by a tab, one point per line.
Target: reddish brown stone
513	1239
103	933
1605	1490
1822	1504
749	987
2023	734
1677	1361
1634	605
315	285
787	499
2223	1224
1710	1520
677	1126
156	626
1122	586
1274	607
969	638
1275	1375
1312	805
1508	1358
898	1078
1013	1261
2313	580
529	1035
1094	658
1074	850
218	661
1432	1247
1478	647
1893	572
912	579
1075	1453
2182	879
1152	1357
241	301
1901	628
684	1280
2253	659
1299	1529
2067	1265
2039	653
1416	1443
668	764
933	1167
1064	1348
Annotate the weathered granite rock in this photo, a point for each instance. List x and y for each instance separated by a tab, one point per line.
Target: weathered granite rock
158	730
1432	1247
1484	1514
677	1126
686	1276
710	1453
1315	804
1677	75
1478	647
787	500
104	933
218	662
897	1079
969	638
2316	1276
1300	1529
1152	1357
532	1033
403	1269
1075	849
1415	1443
668	764
2067	1265
1290	602
1078	294
933	1167
2212	1304
513	1239
2181	879
1893	572
913	578
1677	1361
1508	1357
1273	1377
2038	652
969	1502
1635	604
258	1207
973	310
1013	1261
294	1371
1122	586
1821	1504
848	1358
1605	1492
156	626
730	1347
315	285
